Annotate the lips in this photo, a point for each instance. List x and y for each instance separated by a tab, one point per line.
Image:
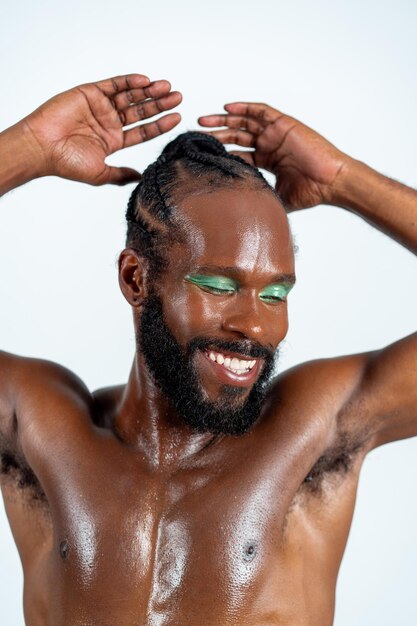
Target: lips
232	368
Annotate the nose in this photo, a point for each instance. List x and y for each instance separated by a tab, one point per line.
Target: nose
250	318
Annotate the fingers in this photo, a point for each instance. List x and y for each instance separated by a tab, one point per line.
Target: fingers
249	116
148	108
135	97
156	89
263	113
113	86
138	104
144	132
236	136
232	121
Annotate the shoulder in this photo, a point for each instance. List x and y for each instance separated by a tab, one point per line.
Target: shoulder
29	386
25	373
323	393
330	376
41	403
372	395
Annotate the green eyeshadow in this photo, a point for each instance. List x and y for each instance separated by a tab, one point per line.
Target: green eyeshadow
277	292
216	284
272	294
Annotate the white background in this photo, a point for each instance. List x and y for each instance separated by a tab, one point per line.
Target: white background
348	69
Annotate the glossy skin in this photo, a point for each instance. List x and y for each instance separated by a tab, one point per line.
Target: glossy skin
145	522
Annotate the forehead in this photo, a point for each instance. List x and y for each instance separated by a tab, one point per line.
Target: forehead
237	227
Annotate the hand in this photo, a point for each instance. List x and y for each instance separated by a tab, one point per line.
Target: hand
305	164
76	130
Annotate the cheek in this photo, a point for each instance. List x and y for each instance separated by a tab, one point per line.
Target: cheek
275	325
189	313
283	324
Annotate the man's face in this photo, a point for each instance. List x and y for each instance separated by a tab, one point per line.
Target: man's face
210	329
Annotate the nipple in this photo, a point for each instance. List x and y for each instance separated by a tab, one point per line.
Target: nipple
64	549
249	551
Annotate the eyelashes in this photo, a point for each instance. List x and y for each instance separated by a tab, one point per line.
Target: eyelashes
222	285
275	293
214	284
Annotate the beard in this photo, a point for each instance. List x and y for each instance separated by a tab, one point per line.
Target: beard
174	373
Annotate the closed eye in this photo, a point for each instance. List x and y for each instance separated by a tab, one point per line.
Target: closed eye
276	293
216	290
218	285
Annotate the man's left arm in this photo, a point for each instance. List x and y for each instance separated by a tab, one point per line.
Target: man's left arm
310	171
386	398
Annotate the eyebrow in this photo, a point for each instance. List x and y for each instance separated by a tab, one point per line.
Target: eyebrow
236	273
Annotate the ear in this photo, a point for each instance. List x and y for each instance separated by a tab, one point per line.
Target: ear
132	276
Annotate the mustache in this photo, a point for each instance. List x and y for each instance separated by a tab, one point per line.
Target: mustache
247	348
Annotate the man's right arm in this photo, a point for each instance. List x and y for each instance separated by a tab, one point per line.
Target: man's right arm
70	136
20	159
39	400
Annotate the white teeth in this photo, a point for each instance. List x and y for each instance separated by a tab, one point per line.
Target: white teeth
237	366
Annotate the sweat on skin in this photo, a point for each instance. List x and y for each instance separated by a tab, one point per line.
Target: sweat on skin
201	491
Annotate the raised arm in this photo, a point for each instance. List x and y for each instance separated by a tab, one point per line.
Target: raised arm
310	171
72	134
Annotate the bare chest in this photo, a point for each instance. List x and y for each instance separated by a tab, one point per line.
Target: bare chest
225	544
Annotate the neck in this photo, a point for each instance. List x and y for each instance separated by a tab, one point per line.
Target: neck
146	420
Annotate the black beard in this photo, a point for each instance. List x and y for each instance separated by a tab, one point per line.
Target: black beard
175	375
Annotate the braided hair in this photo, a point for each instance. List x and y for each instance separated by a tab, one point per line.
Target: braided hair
189	164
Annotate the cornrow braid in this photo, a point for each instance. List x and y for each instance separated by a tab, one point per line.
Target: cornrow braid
190	163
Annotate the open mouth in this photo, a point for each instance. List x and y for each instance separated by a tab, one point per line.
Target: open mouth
237	366
233	368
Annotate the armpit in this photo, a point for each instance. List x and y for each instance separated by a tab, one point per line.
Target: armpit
16	470
337	462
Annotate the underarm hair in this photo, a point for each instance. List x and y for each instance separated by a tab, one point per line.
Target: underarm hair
191	164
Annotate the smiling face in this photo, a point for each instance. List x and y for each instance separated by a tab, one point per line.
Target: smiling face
221	306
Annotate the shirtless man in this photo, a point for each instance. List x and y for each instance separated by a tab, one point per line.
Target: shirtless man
197	494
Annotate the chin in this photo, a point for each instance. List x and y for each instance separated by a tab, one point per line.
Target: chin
227	394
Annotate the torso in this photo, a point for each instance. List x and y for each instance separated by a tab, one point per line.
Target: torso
250	532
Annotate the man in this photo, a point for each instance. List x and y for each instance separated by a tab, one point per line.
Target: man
199	493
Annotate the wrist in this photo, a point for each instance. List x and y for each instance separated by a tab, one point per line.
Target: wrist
384	203
21	158
351	184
